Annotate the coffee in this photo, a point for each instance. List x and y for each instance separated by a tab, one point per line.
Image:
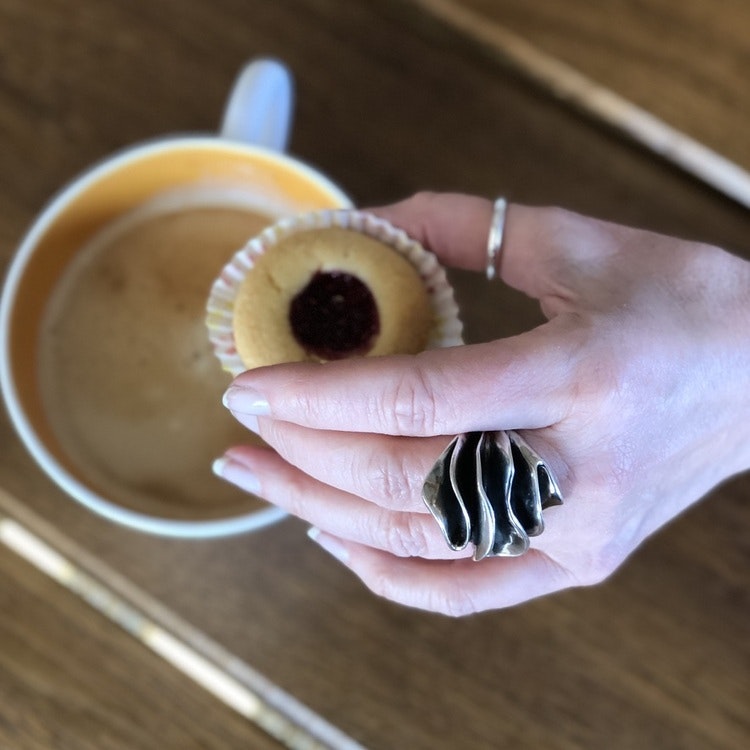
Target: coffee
128	378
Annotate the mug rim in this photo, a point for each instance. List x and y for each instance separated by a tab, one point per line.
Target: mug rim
56	205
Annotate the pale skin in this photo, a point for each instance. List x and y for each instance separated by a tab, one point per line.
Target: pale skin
636	391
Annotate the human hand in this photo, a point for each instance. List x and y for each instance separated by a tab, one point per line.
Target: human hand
636	392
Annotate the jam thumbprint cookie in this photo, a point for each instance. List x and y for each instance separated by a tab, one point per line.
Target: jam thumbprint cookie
327	286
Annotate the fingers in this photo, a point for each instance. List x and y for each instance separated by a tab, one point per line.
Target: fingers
515	383
262	472
375	543
451	587
382	469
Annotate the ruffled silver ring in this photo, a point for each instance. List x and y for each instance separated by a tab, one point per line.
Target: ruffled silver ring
489	489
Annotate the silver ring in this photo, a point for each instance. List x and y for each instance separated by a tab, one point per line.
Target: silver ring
496	236
489	489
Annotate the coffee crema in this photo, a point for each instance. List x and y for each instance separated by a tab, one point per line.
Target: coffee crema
128	378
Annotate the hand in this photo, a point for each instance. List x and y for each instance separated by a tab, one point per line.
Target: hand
636	392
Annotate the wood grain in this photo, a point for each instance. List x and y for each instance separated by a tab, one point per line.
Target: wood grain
685	62
390	100
598	101
71	679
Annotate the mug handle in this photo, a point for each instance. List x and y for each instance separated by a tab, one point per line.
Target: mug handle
259	109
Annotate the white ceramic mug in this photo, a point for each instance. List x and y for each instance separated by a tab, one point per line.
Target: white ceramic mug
248	155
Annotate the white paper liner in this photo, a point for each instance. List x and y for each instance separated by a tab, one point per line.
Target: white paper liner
447	328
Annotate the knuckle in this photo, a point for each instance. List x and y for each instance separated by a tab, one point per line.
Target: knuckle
596	571
405	536
424	199
412	409
607	392
619	466
296	493
383	582
453	601
594	564
386	478
613	472
598	377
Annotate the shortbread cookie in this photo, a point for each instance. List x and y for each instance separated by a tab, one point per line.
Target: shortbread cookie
327	286
326	294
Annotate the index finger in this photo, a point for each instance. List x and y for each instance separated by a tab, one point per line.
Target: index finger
519	382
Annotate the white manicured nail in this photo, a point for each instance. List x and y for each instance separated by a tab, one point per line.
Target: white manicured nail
329	543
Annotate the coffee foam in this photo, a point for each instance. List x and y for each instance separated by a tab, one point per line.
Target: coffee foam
127	375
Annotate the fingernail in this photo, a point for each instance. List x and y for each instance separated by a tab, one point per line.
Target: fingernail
246	401
236	473
218	466
329	543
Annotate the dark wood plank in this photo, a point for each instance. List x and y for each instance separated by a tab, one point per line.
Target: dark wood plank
684	61
69	678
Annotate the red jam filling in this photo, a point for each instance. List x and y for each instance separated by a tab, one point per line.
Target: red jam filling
334	316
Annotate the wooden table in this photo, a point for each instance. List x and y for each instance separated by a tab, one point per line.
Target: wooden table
392	98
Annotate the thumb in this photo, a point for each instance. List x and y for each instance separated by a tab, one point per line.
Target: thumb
511	383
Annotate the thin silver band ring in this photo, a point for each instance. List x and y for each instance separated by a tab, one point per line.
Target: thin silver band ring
495	239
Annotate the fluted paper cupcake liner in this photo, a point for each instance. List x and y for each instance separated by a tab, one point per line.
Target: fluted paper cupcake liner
447	327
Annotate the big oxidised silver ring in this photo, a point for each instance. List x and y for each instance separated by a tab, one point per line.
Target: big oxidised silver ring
489	489
495	238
